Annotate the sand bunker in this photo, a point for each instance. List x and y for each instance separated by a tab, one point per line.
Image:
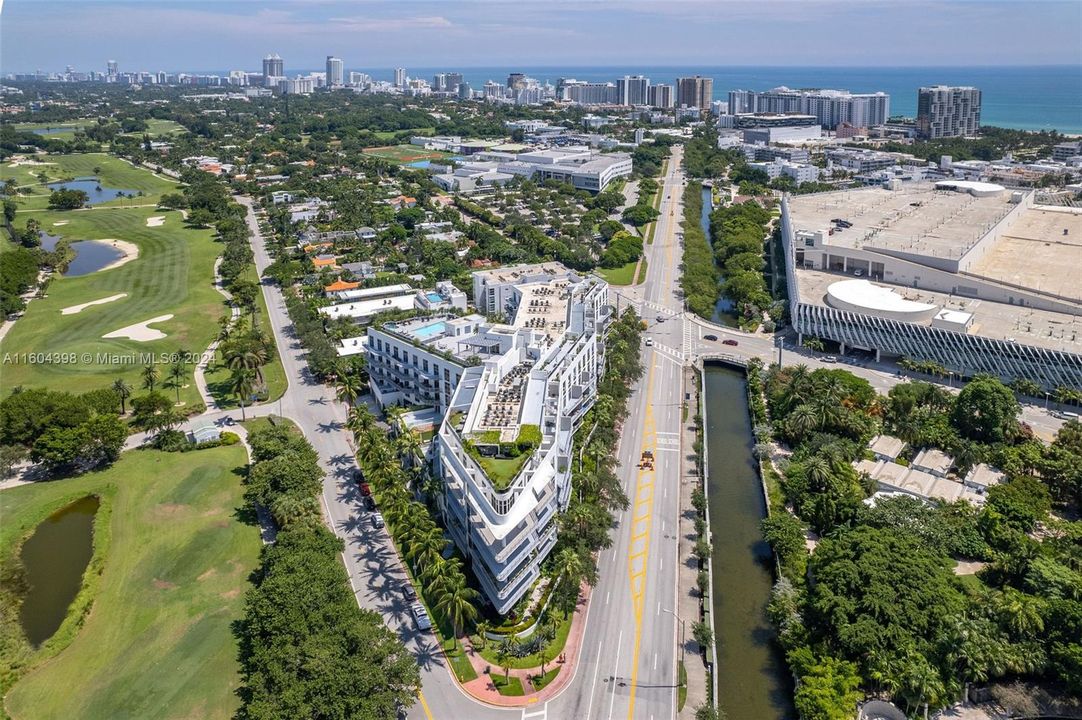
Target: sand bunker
79	308
130	250
139	332
17	160
156	221
59	223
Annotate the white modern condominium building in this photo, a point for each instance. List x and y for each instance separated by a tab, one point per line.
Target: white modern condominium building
525	386
830	107
944	111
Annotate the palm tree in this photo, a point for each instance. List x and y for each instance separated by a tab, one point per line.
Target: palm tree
289	509
817	471
1020	613
569	566
175	378
360	420
504	651
394	414
150	375
241	384
481	628
803	420
123	391
349	387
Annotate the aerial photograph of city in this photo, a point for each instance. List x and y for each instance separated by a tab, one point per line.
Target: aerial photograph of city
523	360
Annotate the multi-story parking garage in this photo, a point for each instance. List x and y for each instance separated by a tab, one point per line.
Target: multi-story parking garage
968	275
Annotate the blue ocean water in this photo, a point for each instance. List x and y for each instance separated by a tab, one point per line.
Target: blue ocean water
1027	98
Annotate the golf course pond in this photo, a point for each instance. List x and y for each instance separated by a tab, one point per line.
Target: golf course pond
90	255
54	559
95	192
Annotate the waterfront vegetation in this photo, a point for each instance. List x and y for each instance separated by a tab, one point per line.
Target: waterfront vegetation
173	549
307	648
738	235
877	607
699	277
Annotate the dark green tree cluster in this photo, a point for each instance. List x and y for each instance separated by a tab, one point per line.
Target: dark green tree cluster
703	159
307	649
322	356
737	236
18	272
699	279
622	249
878	607
992	144
640	214
647	159
64	199
62	431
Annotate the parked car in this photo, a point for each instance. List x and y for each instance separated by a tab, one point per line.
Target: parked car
369	503
420	616
729	341
366	489
829	359
377	521
408	592
710	337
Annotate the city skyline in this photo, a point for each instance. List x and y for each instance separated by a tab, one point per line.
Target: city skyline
215	36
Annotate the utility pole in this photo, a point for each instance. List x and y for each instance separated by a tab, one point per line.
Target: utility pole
683	642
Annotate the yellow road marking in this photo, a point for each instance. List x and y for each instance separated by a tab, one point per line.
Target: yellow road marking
424	705
637	557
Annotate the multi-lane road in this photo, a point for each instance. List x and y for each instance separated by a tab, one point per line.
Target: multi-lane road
627	666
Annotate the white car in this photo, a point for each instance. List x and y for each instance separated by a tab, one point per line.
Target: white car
649	342
830	359
420	616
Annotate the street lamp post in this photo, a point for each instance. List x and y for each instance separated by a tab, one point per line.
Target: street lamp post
1046	396
683	642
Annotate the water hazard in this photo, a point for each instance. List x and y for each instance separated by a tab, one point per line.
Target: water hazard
90	255
753	681
95	191
54	559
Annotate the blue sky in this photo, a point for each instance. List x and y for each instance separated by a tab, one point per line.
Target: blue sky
189	35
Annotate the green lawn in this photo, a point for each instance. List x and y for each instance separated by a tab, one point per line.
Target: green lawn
157	127
113	173
510	686
623	275
405	153
488	652
158	641
501	471
544	680
172	275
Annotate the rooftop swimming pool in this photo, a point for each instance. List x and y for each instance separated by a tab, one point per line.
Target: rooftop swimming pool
434	297
427	332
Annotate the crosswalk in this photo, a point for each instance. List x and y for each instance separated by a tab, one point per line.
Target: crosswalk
669	352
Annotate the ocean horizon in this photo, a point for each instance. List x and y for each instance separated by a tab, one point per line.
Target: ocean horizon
1030	97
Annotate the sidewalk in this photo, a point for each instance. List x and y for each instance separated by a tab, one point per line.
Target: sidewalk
688	600
481	688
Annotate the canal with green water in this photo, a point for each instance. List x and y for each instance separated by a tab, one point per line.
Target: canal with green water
753	681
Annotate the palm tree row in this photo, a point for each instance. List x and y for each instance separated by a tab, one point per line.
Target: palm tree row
420	540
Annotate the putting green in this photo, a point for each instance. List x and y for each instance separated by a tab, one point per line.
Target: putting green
171	276
157	642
